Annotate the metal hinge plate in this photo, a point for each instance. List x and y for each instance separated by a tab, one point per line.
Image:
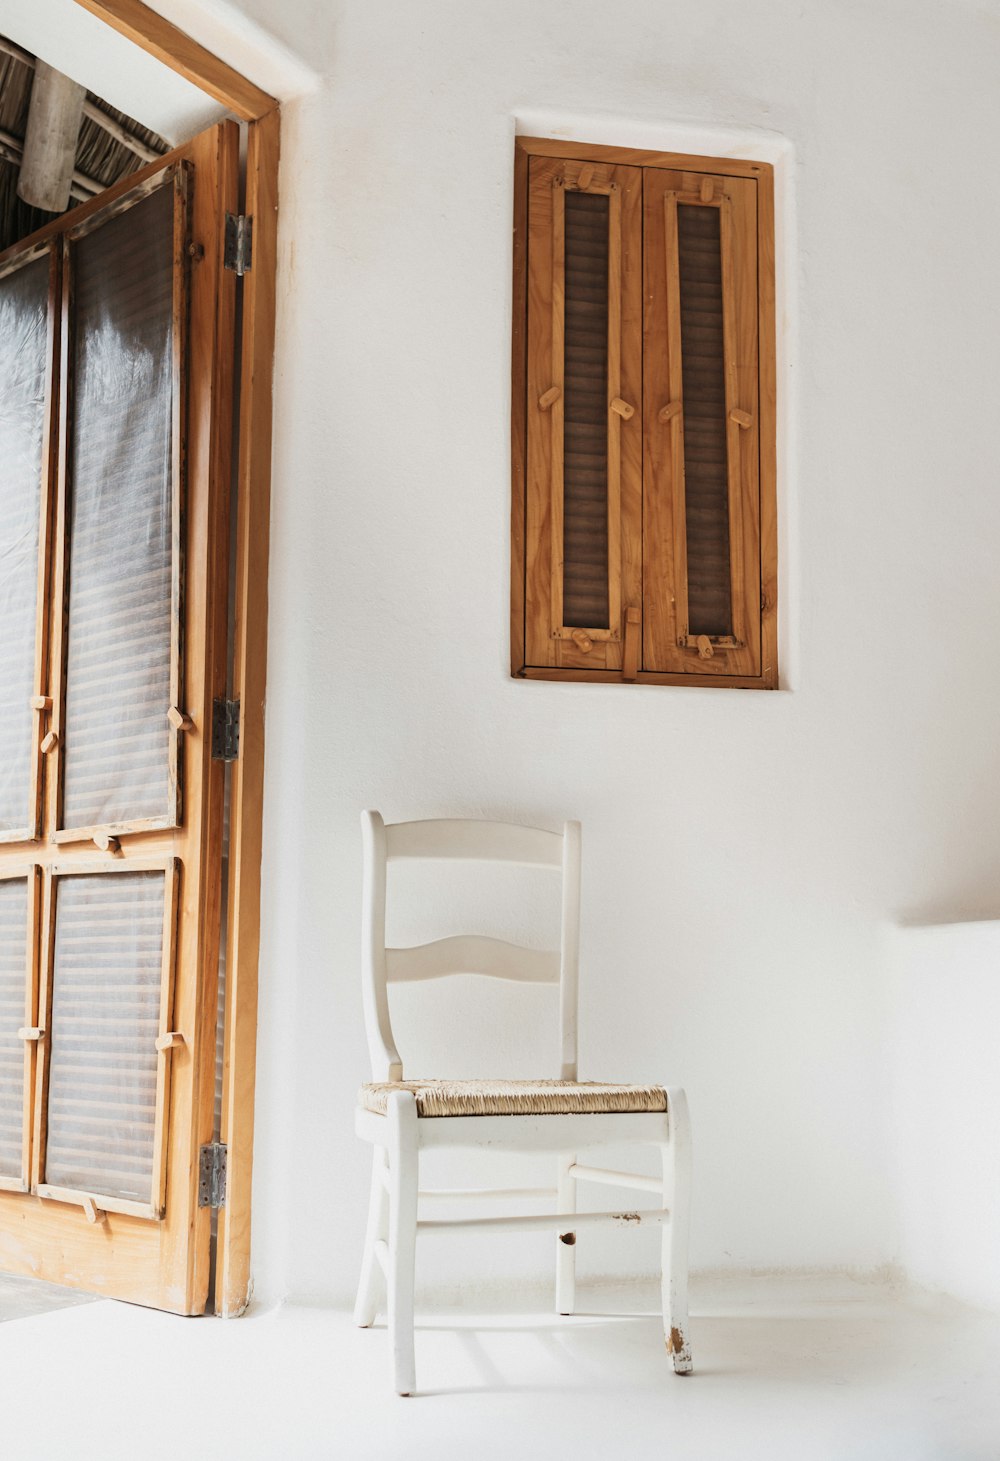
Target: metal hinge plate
225	730
212	1175
238	255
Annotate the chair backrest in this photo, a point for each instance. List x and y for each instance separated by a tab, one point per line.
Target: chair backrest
470	841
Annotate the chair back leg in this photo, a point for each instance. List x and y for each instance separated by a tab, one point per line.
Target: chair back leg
377	1231
677	1196
565	1242
403	1151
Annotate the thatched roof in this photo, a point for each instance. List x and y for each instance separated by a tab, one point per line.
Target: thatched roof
102	156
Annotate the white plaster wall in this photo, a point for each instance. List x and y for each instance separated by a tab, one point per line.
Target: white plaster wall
742	850
945	1114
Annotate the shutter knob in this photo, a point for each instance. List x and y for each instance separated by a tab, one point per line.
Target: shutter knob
622	408
49	743
668	412
706	648
549	397
582	640
742	418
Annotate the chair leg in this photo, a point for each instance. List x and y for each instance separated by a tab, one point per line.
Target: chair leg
366	1304
565	1242
677	1196
403	1165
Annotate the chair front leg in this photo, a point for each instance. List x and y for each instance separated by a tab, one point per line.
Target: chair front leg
677	1196
403	1152
565	1242
366	1304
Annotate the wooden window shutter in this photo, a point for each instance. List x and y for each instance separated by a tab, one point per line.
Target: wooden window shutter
701	513
584	412
643	525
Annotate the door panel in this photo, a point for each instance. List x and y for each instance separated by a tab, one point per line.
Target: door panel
121	1086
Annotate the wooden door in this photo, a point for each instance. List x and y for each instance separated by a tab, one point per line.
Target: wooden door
120	319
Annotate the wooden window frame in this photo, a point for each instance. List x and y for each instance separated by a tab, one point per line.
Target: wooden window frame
630	669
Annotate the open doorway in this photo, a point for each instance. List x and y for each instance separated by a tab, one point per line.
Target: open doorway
136	284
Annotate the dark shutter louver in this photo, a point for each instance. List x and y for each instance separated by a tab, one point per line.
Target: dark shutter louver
706	475
585	451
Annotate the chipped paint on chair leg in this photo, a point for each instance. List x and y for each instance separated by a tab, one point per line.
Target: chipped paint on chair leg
565	1242
366	1304
677	1196
403	1171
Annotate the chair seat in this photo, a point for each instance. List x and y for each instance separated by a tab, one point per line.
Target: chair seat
515	1098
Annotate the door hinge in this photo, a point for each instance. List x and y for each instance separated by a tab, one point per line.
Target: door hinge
212	1175
238	255
225	730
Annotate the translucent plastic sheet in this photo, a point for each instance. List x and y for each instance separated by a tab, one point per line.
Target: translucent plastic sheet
105	1017
13	970
23	347
118	657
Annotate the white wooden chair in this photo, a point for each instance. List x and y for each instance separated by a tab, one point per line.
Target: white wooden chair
563	1116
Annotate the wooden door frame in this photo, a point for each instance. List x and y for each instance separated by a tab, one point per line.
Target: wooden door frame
152	33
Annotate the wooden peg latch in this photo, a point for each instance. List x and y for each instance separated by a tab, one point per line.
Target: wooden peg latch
549	398
30	1032
41	702
669	411
630	648
174	1040
49	742
622	408
743	419
107	843
706	648
707	189
179	720
582	640
586	175
92	1212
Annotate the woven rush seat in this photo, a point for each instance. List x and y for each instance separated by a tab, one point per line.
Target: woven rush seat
515	1098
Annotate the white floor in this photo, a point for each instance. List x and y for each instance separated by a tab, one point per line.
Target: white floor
787	1369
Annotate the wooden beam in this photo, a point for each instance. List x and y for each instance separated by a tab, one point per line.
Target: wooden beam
152	33
232	1285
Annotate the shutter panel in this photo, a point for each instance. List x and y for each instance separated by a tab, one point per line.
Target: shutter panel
27	322
584	421
124	281
701	510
